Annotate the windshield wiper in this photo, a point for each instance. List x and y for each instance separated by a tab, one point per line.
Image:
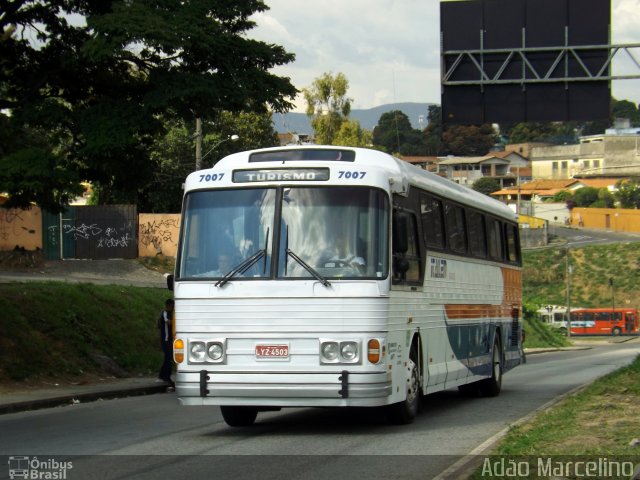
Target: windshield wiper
242	267
247	264
308	268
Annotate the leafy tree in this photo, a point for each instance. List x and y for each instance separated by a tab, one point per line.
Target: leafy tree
585	196
533	132
390	126
84	99
433	132
605	199
562	196
352	134
628	193
626	109
486	185
394	133
328	106
468	140
174	153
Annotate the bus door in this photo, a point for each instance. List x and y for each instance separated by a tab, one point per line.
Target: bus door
630	323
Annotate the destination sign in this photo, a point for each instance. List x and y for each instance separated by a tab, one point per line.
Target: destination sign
281	175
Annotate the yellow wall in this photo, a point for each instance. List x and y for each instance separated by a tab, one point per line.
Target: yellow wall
533	222
615	219
22	228
158	234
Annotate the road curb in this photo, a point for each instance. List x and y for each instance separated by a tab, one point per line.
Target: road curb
72	399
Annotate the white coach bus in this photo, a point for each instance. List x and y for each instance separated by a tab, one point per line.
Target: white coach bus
321	276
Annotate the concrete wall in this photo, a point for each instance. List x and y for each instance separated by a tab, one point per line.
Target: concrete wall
552	212
158	234
21	228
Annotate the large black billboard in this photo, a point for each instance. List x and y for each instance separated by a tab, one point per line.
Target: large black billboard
526	60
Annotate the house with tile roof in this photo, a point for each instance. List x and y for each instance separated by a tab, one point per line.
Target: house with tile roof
504	166
537	190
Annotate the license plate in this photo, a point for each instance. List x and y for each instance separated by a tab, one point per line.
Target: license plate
272	351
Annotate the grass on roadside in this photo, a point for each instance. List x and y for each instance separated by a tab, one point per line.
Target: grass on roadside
539	335
601	420
57	329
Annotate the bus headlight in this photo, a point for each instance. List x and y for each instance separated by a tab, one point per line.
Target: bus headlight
197	352
329	351
335	352
215	351
349	351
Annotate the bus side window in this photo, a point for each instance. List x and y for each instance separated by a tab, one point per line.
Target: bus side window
477	234
432	221
495	240
406	252
513	251
456	229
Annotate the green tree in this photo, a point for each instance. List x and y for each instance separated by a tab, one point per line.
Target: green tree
174	153
468	140
352	134
433	132
486	185
533	132
562	196
585	196
628	193
84	100
328	106
394	133
626	109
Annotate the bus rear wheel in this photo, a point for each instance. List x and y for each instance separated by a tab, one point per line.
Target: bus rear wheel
491	386
616	331
239	416
403	413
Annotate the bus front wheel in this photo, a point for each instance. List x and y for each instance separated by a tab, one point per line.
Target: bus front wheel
405	412
616	331
239	416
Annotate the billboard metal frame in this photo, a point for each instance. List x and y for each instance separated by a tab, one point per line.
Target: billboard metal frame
563	55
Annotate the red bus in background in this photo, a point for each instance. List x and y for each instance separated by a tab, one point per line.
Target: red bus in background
604	321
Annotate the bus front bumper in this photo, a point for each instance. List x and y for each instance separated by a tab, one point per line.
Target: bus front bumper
342	388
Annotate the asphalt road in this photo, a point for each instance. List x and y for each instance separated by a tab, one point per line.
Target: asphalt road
579	237
152	437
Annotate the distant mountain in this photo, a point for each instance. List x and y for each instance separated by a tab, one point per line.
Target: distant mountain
299	122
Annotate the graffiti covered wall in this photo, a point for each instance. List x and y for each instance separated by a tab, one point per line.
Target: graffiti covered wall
158	234
20	228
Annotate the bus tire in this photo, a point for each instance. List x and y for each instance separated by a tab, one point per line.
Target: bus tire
470	390
239	416
405	412
491	386
616	331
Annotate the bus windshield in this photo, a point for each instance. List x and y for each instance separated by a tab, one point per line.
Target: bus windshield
322	232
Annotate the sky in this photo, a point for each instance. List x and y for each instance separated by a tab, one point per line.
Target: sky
389	50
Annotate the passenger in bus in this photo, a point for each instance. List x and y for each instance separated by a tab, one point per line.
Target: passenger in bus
224	265
345	257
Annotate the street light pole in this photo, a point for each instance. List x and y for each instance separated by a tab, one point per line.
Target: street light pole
233	138
198	137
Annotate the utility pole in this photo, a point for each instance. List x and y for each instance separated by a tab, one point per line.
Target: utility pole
568	270
198	137
613	300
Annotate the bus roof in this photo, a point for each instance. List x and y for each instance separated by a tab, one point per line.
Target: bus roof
396	170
